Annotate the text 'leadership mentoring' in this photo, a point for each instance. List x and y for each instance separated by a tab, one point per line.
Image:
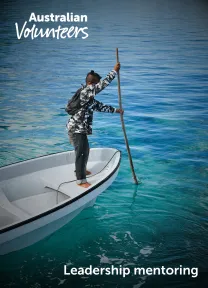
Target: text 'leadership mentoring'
58	32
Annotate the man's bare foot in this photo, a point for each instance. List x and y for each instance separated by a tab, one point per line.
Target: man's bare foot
88	172
84	185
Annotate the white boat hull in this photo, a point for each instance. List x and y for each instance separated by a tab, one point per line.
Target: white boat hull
25	233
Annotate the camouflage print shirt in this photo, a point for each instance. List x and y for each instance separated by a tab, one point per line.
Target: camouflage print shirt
81	122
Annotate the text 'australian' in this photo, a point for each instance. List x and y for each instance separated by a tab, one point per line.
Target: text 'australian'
58	32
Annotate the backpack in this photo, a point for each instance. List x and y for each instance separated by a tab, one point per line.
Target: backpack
73	105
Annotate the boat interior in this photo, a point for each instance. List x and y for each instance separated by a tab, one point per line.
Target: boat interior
34	186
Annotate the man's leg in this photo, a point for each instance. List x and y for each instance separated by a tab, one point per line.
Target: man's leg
81	157
87	156
72	140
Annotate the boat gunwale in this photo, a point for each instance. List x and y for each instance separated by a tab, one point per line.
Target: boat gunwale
70	201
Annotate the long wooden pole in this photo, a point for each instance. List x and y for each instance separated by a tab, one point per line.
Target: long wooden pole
123	125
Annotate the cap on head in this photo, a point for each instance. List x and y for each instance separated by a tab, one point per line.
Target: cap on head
93	77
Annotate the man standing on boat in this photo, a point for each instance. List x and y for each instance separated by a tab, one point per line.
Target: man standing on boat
80	124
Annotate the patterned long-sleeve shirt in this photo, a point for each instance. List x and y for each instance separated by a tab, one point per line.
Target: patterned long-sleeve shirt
82	121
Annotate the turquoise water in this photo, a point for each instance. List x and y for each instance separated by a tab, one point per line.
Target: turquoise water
163	49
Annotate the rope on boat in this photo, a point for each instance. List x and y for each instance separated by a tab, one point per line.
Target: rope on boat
57	190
